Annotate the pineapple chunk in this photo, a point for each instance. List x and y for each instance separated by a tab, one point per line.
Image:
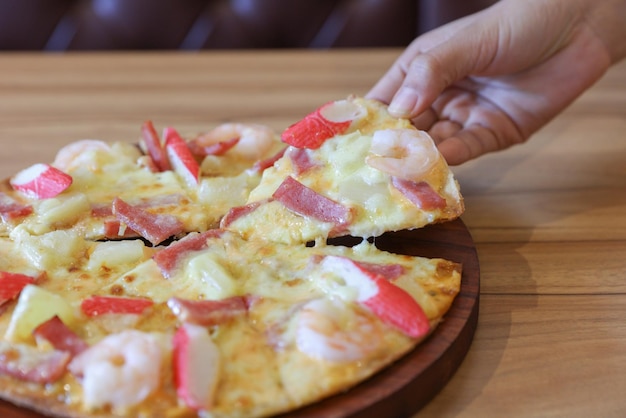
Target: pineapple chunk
226	192
52	250
203	277
144	280
116	254
63	211
209	277
35	306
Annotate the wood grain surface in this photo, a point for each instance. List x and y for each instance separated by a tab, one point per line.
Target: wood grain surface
548	217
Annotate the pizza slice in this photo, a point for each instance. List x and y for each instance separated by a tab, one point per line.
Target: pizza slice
163	188
350	169
214	324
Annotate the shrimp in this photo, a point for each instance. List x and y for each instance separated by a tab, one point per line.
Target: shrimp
255	141
334	331
405	153
121	370
77	153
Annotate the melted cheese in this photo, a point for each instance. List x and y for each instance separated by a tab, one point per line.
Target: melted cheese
340	173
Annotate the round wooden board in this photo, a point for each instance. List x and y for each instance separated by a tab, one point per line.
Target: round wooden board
409	384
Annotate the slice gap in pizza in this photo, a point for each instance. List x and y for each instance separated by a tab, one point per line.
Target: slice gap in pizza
350	169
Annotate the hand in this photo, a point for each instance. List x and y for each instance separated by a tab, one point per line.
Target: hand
490	80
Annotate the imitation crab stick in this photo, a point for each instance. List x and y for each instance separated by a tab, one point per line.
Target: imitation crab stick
154	147
97	305
389	302
11	284
41	181
181	158
196	366
331	119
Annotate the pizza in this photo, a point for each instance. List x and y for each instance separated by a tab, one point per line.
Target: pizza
199	275
185	185
350	169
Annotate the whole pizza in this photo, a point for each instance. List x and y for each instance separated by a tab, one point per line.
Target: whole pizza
193	275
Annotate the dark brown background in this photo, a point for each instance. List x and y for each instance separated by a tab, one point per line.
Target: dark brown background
59	25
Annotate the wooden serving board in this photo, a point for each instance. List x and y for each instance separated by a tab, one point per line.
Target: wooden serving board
409	384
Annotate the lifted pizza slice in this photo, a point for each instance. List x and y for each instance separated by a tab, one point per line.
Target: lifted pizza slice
350	169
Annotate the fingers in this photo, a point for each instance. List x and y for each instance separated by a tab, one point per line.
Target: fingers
387	85
425	79
444	129
435	61
467	144
425	120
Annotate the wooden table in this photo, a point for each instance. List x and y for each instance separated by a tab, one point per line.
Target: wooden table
548	217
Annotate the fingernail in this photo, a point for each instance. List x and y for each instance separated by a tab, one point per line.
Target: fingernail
403	103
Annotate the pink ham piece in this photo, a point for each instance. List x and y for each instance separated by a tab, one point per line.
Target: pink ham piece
180	157
196	361
60	336
11	285
156	228
218	148
101	211
300	160
392	304
207	312
237	212
41	181
167	259
11	210
262	165
331	119
114	229
100	305
154	147
419	193
306	202
28	363
389	271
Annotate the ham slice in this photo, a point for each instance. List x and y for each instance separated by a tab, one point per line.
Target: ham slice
261	165
60	336
28	363
208	312
11	210
218	148
237	212
300	160
168	258
388	271
421	194
306	202
156	228
113	229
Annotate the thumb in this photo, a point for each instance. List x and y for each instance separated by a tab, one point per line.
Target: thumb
432	70
433	62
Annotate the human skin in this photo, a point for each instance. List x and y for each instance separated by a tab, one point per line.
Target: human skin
490	80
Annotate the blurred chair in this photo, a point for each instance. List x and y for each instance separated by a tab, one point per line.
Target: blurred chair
61	25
